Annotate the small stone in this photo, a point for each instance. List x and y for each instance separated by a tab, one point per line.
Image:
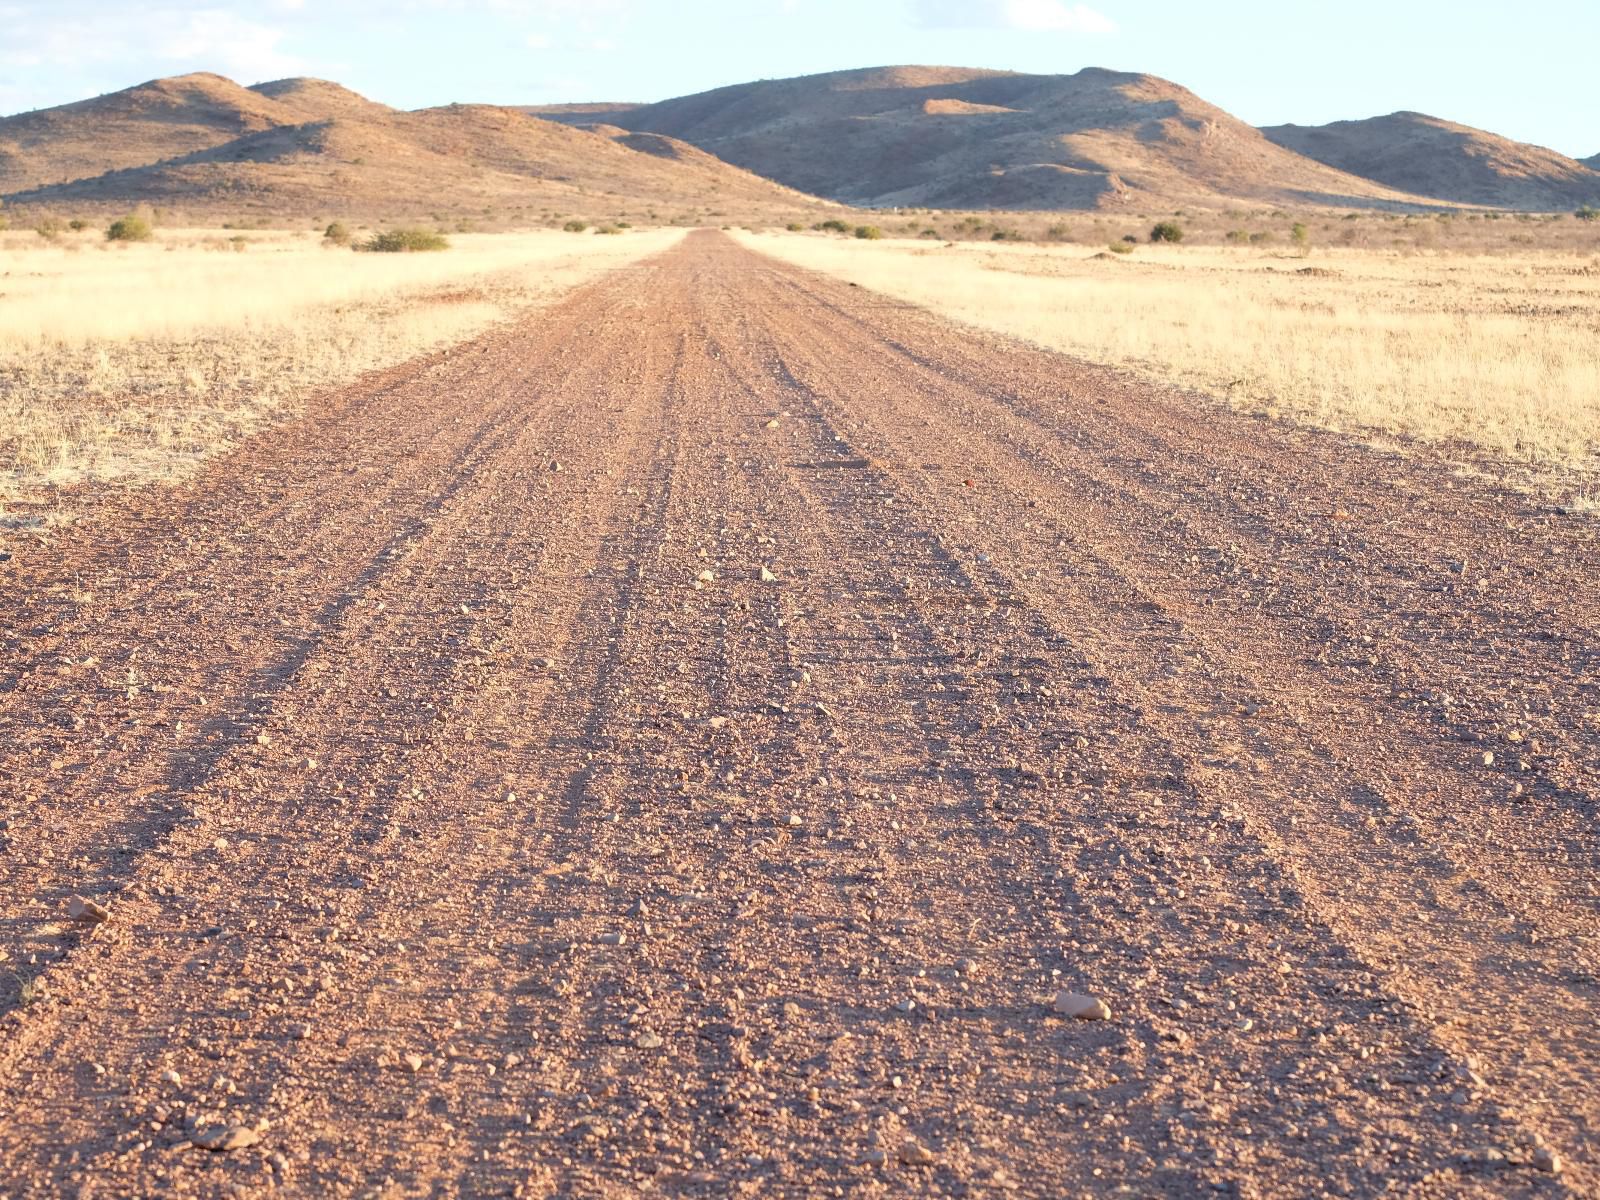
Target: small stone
792	820
874	1158
555	466
221	1138
613	939
172	1077
511	1060
706	577
413	1063
648	1041
1081	1007
773	423
1487	758
1547	1160
966	966
914	1154
767	576
87	911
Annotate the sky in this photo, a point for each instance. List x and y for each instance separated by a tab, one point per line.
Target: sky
1525	71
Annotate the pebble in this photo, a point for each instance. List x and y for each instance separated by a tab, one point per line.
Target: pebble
966	966
1547	1160
767	576
613	939
172	1077
413	1063
793	819
1083	1008
914	1154
1488	758
80	909
648	1041
222	1138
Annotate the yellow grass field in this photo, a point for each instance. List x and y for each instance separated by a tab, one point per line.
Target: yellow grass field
1502	353
137	361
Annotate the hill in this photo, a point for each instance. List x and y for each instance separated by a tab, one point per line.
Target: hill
1417	153
963	138
461	159
1592	163
164	118
312	147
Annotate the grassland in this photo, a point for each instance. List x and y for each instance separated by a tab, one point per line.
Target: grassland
1496	354
136	362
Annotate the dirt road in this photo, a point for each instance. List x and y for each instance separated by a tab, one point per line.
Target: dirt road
474	818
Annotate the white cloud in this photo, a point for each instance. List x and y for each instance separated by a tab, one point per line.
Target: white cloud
1035	16
166	37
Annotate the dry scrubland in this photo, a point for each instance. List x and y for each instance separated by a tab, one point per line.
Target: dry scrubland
137	361
1498	352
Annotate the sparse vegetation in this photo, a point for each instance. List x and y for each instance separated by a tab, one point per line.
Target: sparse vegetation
575	226
77	225
1587	212
48	228
868	233
1122	247
131	228
832	225
1493	351
406	241
1301	236
337	234
1167	231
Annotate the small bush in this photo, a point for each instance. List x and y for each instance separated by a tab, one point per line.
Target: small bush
576	226
1059	232
794	227
1262	239
77	224
1122	247
929	232
833	225
1167	231
1130	239
129	229
4	224
1301	236
609	229
1238	236
869	233
406	241
49	229
337	234
1587	212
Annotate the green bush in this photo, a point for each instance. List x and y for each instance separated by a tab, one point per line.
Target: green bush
77	224
833	225
337	234
1301	236
1122	247
794	227
609	229
869	233
406	241
1587	212
1238	236
129	229
576	226
1167	231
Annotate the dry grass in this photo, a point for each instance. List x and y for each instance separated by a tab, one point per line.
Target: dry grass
1500	353
135	362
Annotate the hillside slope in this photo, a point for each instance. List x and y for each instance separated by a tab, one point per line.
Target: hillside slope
1418	153
161	119
958	137
372	161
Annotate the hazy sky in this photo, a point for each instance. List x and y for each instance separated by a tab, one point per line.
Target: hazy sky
1524	70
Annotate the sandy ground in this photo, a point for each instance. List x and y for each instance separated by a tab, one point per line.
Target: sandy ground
471	816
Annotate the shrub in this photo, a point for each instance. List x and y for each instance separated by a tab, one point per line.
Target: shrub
870	233
1059	232
1167	231
833	225
1237	236
1587	212
129	229
1122	247
794	227
337	234
929	232
576	226
77	224
1301	237
609	229
406	241
4	224
1261	239
49	229
1130	239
